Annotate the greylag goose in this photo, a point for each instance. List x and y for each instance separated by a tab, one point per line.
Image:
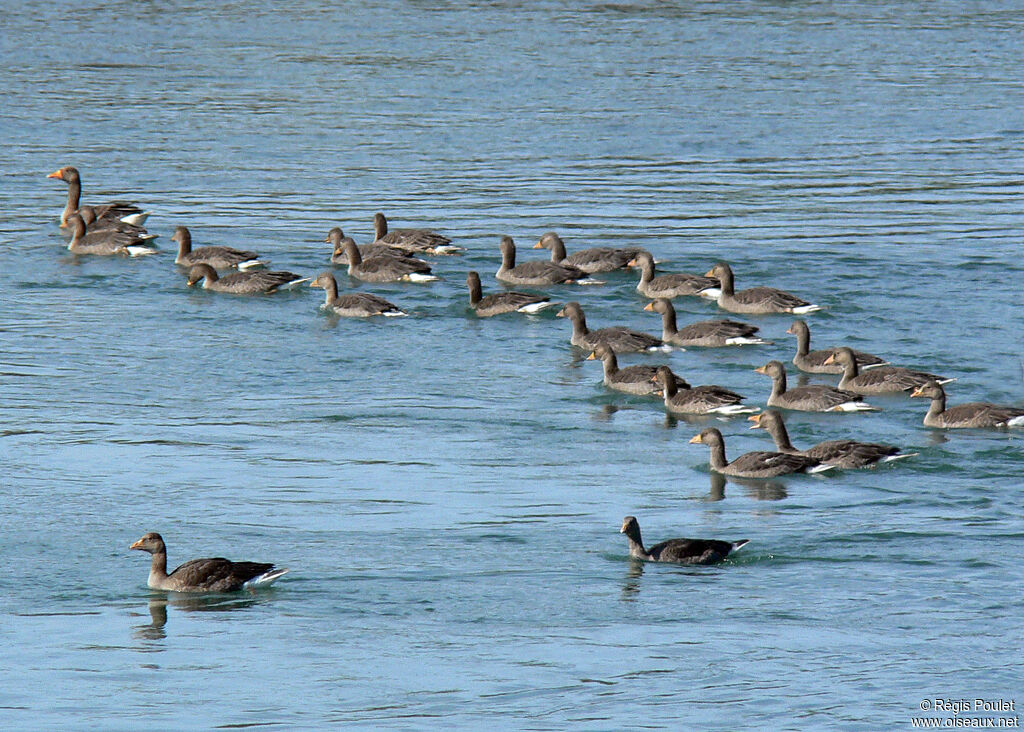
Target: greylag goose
621	340
681	398
596	259
502	302
758	464
813	362
337	239
637	379
88	214
756	300
353	304
707	333
841	453
672	285
412	241
203	575
216	256
879	380
252	282
384	268
680	551
536	272
810	398
105	242
124	211
971	414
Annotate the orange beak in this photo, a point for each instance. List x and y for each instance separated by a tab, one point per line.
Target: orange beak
790	330
631	263
756	419
916	392
761	369
538	245
831	359
56	174
592	356
695	439
710	272
649	306
136	545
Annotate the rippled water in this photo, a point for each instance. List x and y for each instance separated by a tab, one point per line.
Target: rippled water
447	492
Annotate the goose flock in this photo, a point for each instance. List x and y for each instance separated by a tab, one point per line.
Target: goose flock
117	228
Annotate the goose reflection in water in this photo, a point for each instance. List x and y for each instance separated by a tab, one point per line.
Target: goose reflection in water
159	601
758	489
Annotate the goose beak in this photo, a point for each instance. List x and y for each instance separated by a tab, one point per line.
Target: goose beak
695	440
831	359
761	369
710	272
55	174
756	419
649	307
592	356
327	239
136	545
916	392
790	330
632	262
538	245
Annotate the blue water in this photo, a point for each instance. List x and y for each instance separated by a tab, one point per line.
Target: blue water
446	491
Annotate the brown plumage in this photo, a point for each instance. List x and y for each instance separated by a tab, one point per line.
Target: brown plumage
680	551
218	257
115	210
622	340
534	272
971	414
595	259
242	283
813	362
755	300
681	398
879	380
758	464
203	575
502	302
105	242
671	285
353	304
841	453
337	239
637	379
706	333
412	241
810	398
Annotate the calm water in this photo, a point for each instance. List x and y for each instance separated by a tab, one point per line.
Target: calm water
448	492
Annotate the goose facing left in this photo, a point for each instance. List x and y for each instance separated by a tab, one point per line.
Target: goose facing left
124	211
215	574
218	257
252	282
680	551
105	242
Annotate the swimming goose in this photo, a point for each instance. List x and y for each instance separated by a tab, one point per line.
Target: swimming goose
124	211
637	379
412	241
621	340
672	285
88	214
250	282
596	259
841	453
502	302
105	242
535	272
385	268
971	414
681	551
337	239
681	398
756	300
813	362
203	575
879	380
810	398
708	333
353	304
216	256
758	464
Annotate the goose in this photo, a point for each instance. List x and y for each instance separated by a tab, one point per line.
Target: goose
621	340
502	302
756	300
706	333
412	241
680	551
251	282
813	362
681	398
105	242
124	211
637	379
337	239
596	259
672	285
203	575
755	464
353	304
841	453
813	397
879	380
535	272
385	268
216	256
971	414
88	214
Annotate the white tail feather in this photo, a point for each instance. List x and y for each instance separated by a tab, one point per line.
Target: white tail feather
536	307
664	348
293	283
419	277
139	251
712	293
854	407
1016	422
743	341
394	314
447	249
587	282
806	309
900	456
821	468
251	263
266	578
735	409
136	219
